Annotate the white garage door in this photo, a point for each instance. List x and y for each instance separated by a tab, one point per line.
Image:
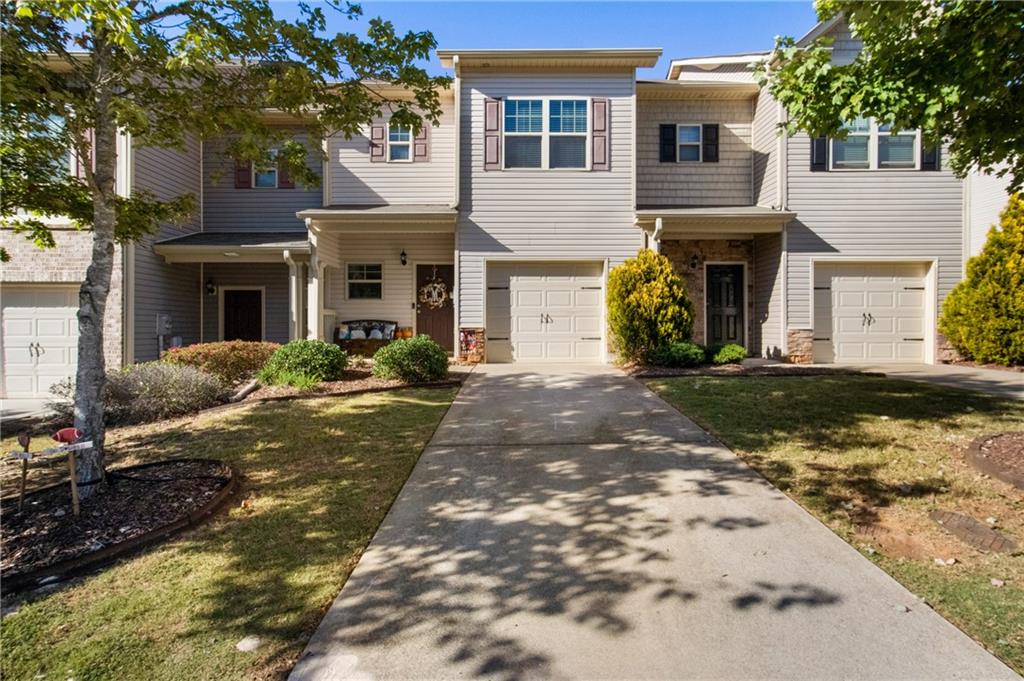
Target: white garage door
869	312
38	337
544	312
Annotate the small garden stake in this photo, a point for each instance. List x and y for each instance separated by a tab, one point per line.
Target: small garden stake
67	436
24	440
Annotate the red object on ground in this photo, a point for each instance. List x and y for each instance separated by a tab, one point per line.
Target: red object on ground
67	435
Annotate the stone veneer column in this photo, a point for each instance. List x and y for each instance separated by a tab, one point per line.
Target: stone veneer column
472	345
800	346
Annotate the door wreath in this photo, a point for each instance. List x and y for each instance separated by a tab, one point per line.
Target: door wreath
434	294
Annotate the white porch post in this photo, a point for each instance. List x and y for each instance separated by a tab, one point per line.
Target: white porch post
296	297
315	296
656	237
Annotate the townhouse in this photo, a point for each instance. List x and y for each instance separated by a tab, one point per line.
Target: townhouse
494	231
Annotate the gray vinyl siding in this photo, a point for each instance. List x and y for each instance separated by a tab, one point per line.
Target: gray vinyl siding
536	213
353	179
273	277
162	288
765	142
988	198
230	209
768	295
869	214
726	183
846	47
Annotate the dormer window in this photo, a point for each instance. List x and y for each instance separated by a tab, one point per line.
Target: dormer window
399	143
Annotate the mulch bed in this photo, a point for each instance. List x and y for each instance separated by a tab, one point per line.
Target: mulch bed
136	501
644	371
1001	456
352	381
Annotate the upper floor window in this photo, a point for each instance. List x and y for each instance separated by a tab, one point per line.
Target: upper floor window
365	281
265	177
689	138
872	146
546	133
399	142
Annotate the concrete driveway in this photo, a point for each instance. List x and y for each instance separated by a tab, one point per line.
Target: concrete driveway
566	523
995	382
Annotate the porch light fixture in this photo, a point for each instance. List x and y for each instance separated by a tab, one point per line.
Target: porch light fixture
404	258
694	260
210	288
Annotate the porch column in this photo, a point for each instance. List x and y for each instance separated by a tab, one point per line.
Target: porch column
659	227
315	299
296	297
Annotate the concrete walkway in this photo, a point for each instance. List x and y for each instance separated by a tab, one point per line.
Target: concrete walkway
1008	384
566	523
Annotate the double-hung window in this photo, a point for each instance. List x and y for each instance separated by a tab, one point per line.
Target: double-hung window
365	281
265	177
546	133
399	142
688	141
873	146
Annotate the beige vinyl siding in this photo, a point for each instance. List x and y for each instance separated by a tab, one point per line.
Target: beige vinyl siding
869	214
765	143
399	280
586	215
726	183
730	73
162	288
273	277
988	198
232	210
354	180
768	295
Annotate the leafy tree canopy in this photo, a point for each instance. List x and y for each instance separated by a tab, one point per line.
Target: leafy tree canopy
953	68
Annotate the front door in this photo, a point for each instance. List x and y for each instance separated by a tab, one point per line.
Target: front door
243	315
435	313
725	303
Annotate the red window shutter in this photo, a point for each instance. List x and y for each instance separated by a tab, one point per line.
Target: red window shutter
600	156
243	175
284	180
376	143
421	145
492	134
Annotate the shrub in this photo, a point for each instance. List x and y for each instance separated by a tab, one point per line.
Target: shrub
141	393
729	353
983	316
648	307
681	354
313	359
230	361
414	360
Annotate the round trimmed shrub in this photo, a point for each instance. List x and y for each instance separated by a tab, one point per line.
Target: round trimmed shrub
983	316
648	306
414	360
230	361
730	353
681	354
313	359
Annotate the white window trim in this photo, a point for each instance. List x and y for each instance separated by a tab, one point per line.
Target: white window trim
253	169
699	142
545	133
389	143
363	281
873	135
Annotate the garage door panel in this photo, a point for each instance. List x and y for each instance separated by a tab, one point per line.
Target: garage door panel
40	337
869	311
528	323
560	324
588	298
528	298
588	325
558	298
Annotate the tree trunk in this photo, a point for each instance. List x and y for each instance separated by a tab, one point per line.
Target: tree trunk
92	297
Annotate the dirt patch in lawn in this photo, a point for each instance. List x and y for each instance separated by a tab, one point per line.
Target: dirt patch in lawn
133	503
1001	456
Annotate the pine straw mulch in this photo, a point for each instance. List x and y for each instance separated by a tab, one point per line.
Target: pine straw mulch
352	381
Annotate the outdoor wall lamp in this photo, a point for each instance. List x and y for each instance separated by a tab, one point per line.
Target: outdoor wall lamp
404	258
210	288
693	261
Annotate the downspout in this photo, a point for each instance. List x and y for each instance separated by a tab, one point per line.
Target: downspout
457	93
202	302
125	187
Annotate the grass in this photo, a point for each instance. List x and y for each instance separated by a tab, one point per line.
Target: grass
318	477
870	457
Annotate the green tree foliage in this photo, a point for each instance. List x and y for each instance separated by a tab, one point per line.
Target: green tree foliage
648	306
76	73
983	316
953	68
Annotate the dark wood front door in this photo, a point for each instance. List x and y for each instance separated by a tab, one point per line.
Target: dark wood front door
436	322
243	315
725	304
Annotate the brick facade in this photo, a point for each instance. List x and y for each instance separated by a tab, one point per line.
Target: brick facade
800	346
66	264
681	253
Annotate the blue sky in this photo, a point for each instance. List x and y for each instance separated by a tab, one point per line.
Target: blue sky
681	29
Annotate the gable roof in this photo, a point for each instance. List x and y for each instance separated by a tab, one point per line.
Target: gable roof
632	57
710	63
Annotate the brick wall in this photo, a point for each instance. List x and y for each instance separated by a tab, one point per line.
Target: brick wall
67	264
681	252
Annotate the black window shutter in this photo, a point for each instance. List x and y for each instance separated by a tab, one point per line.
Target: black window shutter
819	154
709	139
930	157
667	143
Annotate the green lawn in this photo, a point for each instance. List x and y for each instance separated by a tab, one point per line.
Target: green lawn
863	453
318	477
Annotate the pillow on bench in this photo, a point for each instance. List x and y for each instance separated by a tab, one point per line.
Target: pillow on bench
365	329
